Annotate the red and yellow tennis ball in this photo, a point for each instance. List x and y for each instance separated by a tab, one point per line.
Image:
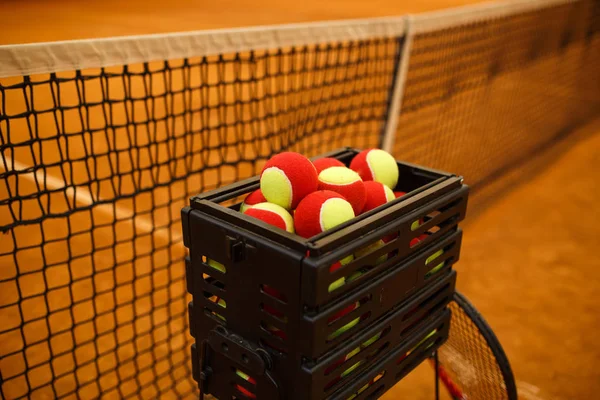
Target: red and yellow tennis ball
287	178
242	389
327	162
343	312
341	281
346	182
272	214
252	199
352	353
276	331
376	165
377	194
320	211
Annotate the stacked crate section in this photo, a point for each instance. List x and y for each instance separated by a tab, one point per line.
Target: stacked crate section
272	320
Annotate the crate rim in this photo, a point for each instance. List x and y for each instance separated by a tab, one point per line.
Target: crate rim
208	202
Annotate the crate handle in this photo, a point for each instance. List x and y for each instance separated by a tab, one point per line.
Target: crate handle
256	360
239	350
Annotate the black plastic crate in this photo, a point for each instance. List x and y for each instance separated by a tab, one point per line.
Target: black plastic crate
388	349
262	261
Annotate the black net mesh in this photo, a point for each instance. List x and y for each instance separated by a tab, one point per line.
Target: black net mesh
481	97
96	167
472	364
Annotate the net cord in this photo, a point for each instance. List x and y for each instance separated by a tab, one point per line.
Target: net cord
51	57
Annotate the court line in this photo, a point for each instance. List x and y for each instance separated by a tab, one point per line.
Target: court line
80	196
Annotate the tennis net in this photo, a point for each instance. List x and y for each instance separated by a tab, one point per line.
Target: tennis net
103	141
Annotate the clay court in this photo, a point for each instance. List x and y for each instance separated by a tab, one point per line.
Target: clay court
528	260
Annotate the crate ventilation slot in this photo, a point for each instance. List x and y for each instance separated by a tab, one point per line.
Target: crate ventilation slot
368	385
244	385
362	347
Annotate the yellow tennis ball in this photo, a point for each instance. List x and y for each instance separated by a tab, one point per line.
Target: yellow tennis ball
344	328
430	259
340	282
376	165
349	370
216	265
371	340
371	248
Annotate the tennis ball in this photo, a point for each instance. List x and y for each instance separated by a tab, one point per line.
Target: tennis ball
242	389
221	303
272	214
320	211
399	194
276	331
340	282
279	296
344	328
342	360
274	292
354	276
346	182
434	256
417	240
362	389
349	370
252	199
339	315
376	165
344	311
323	163
216	265
371	340
377	194
353	353
371	248
287	178
437	267
245	377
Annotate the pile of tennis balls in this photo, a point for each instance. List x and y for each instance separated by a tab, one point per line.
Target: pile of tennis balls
308	198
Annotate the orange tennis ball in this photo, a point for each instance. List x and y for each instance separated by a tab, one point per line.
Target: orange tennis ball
346	182
320	211
376	165
377	194
287	178
327	162
272	214
252	199
399	194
